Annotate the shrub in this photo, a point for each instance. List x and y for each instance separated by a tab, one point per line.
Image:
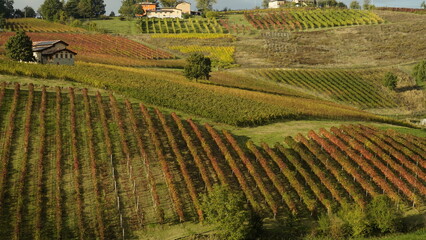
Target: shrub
383	214
331	225
198	67
76	23
356	220
212	14
230	211
390	81
419	72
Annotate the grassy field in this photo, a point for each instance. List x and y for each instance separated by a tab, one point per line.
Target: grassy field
117	26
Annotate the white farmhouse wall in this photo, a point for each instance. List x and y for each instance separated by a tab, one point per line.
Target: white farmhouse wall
185	7
172	13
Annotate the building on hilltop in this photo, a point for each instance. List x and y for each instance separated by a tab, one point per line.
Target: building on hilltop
278	4
152	11
53	52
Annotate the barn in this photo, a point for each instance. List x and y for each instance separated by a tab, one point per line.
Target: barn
53	52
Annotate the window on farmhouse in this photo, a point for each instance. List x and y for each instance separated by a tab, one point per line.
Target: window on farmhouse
62	56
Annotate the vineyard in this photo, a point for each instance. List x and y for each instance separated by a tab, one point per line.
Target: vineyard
171	90
295	20
408	10
221	56
161	26
349	86
77	164
98	45
193	36
38	25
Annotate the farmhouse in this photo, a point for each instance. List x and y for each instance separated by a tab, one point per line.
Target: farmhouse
278	4
151	10
53	52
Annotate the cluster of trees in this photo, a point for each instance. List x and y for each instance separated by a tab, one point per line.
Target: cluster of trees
366	5
379	217
58	10
6	11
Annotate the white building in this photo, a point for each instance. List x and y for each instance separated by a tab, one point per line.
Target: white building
165	13
276	4
176	12
53	52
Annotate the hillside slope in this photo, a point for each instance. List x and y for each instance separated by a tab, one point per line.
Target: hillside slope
80	165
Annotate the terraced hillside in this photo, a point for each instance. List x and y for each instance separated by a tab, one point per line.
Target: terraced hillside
360	88
302	19
38	25
98	46
80	165
175	26
170	89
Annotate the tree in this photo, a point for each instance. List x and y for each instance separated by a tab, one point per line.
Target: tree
423	5
50	9
197	66
367	5
169	3
6	8
419	72
19	47
91	8
127	8
390	81
383	214
205	4
355	5
230	211
112	14
29	12
71	8
265	3
18	13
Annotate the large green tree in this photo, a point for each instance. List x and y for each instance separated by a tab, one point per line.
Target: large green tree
50	9
127	8
29	12
19	47
205	5
71	8
91	8
6	8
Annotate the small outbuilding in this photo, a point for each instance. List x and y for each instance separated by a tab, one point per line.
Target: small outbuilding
53	52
